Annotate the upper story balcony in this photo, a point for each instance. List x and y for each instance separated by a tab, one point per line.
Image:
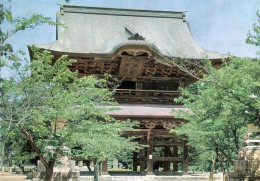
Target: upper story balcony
145	96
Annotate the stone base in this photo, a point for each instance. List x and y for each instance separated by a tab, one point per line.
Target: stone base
243	176
247	168
6	176
149	173
252	166
250	153
58	176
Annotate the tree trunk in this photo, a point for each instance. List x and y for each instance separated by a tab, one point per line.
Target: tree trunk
33	145
48	165
211	176
3	155
48	175
99	168
49	171
222	168
96	170
222	152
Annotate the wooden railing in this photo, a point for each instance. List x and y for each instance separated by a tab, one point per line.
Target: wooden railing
145	96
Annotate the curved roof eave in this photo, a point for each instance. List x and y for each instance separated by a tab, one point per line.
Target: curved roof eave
54	47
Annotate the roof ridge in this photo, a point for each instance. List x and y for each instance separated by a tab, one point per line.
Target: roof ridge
64	8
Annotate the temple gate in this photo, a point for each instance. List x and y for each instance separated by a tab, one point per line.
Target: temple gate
136	47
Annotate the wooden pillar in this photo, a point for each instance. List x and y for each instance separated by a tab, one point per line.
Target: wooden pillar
142	158
175	154
135	161
167	153
150	153
104	168
185	157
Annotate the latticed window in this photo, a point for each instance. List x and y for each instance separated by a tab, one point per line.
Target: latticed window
165	86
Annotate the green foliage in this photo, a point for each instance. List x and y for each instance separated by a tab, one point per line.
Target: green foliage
44	92
19	24
5	14
220	106
13	61
101	139
36	102
22	23
254	38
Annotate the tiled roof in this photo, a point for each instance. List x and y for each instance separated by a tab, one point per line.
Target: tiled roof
93	30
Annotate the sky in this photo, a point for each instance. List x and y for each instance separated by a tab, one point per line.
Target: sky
216	25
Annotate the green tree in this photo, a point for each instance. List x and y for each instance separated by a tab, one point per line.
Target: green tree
221	103
220	106
254	38
11	60
35	102
101	140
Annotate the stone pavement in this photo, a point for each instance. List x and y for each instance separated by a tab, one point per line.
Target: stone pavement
192	177
5	176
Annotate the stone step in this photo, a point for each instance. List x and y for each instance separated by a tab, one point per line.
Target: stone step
5	176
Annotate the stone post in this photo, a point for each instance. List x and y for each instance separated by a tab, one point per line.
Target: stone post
115	163
80	163
62	172
10	170
104	168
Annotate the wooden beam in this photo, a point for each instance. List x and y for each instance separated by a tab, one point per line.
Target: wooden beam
138	130
166	132
129	116
165	136
168	159
162	143
167	143
134	133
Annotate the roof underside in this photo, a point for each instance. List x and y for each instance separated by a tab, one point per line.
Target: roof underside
145	110
92	30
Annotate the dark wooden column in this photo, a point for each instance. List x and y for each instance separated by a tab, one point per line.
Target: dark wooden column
175	154
167	153
185	157
142	158
135	161
150	153
104	168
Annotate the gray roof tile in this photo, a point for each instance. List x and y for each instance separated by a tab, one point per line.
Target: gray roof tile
92	30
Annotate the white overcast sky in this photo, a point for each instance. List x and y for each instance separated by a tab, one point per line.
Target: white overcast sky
217	25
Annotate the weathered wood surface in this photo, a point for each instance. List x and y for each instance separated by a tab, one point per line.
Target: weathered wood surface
168	159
